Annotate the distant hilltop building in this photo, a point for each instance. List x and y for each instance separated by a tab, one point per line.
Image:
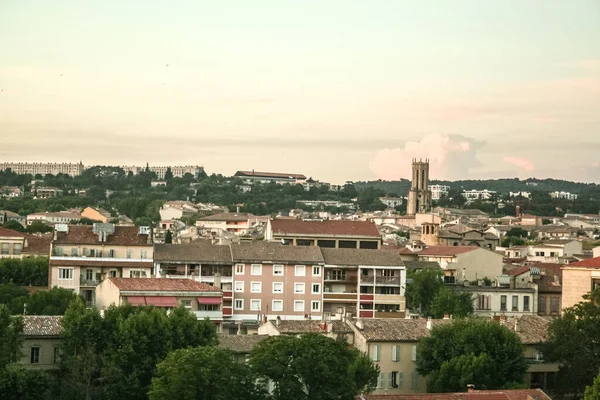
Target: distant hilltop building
419	195
43	168
267	177
564	195
160	171
438	191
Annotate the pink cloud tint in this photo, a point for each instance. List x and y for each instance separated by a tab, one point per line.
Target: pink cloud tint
524	163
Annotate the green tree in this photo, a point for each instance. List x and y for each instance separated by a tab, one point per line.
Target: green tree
517	233
312	367
11	330
27	271
13	296
38	227
169	237
472	336
573	344
13	225
592	392
50	302
168	174
454	375
422	289
452	302
203	373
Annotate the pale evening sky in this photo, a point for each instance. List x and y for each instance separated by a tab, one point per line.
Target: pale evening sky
337	90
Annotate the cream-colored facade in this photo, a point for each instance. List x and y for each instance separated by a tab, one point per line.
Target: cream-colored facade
40	352
43	168
578	281
11	243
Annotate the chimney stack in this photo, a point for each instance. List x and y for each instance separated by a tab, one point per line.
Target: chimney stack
446	316
470	388
278	321
429	323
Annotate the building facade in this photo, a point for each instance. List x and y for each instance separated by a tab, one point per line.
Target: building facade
41	342
43	168
268	177
419	195
439	191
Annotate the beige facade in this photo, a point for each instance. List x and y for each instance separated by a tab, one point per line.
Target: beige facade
11	243
41	352
43	168
578	281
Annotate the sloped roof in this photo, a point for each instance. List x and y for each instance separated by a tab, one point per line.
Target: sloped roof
38	245
309	326
519	394
83	234
589	263
42	325
161	284
276	252
412	265
10	233
202	252
240	343
342	228
532	329
446	250
237	217
361	257
518	271
397	329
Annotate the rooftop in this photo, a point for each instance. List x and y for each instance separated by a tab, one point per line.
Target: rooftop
519	394
361	257
589	263
446	250
531	329
342	228
42	325
282	175
397	330
196	251
161	284
10	233
309	326
240	343
83	234
237	217
275	252
38	245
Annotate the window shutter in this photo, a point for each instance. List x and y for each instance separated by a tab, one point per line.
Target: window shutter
389	380
395	353
376	353
414	353
380	380
400	379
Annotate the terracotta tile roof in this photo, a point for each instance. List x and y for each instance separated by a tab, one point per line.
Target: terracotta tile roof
201	252
83	234
270	174
42	325
10	233
518	271
294	327
446	250
329	228
532	329
10	213
361	257
234	217
396	329
414	265
589	263
161	284
519	394
90	262
275	252
38	245
240	343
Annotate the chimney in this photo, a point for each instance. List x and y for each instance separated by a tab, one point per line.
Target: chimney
429	323
265	318
470	388
237	209
239	329
359	323
446	316
278	321
149	239
55	234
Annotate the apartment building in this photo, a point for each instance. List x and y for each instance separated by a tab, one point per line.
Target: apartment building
564	195
472	195
52	218
96	214
6	215
82	256
234	223
201	299
178	171
392	202
46	192
438	191
366	283
330	234
268	177
41	341
177	210
550	251
578	279
43	168
15	244
11	191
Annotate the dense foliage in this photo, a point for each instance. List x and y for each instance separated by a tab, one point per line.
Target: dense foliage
44	302
482	350
573	343
592	392
312	367
25	272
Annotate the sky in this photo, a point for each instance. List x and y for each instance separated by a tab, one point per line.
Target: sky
337	90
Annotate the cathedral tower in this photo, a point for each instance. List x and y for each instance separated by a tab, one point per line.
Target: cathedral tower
419	196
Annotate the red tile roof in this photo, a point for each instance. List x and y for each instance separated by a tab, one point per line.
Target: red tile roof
446	250
10	233
521	394
518	271
83	234
589	263
342	228
38	245
161	284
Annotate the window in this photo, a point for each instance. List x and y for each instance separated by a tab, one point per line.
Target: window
239	286
65	273
525	303
395	353
137	274
542	305
111	253
315	305
415	380
74	251
4	248
209	307
299	305
255	305
56	356
256	269
277	305
316	271
414	353
515	303
17	248
35	355
144	254
186	304
397	379
340	275
278	270
239	269
59	251
503	303
256	287
128	253
112	274
89	274
239	304
316	288
484	302
277	287
554	305
381	380
299	288
300	270
376	352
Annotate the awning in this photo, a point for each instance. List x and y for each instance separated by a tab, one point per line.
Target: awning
136	300
161	301
209	300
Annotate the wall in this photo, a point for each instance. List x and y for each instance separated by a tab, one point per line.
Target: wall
46	345
405	366
119	251
576	282
478	264
106	294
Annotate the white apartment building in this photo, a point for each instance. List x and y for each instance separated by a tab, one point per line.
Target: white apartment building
526	195
43	168
472	195
392	201
52	218
564	195
177	171
437	191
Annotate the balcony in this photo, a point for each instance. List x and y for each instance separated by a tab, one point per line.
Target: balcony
211	278
366	313
332	278
83	282
212	315
227	311
389	299
227	293
387	280
332	296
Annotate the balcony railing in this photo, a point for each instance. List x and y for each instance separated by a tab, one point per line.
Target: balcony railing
338	278
83	281
387	280
212	315
331	296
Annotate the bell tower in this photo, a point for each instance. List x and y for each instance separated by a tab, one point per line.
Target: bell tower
419	196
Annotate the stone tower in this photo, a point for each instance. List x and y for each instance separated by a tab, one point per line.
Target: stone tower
419	196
